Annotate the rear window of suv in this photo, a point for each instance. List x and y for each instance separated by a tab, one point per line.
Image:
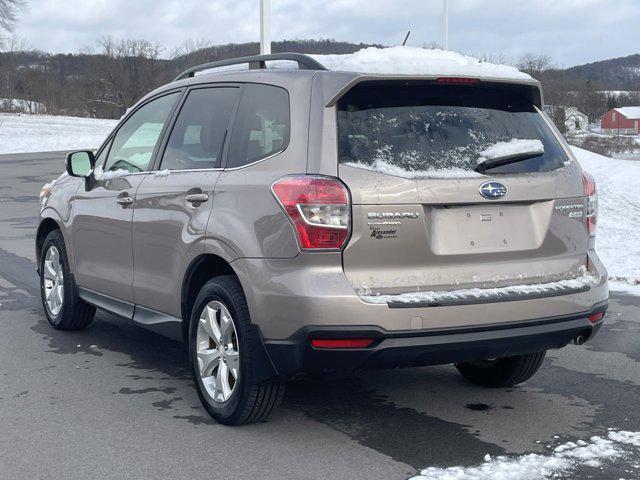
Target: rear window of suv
439	129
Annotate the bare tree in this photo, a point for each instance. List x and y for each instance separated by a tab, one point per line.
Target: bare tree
190	52
194	45
124	72
10	75
534	65
499	58
14	43
9	12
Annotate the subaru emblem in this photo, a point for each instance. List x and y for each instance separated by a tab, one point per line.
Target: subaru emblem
493	190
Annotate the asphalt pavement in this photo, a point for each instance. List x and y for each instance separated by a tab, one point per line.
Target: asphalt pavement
116	401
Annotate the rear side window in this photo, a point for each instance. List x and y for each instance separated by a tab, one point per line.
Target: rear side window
262	125
439	128
198	135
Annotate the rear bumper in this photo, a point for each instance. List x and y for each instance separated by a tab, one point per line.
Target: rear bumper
294	300
287	295
409	349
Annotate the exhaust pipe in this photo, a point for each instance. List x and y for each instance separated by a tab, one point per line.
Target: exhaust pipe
580	339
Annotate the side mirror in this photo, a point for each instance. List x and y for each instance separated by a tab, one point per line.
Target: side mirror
80	163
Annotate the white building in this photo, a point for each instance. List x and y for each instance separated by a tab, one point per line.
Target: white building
575	120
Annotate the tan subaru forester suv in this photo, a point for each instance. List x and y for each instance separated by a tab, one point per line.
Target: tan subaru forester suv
296	221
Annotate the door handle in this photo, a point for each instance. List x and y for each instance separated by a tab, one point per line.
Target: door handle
124	200
196	198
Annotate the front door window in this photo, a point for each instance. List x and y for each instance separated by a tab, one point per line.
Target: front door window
136	139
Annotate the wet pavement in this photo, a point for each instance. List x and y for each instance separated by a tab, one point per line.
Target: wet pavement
116	401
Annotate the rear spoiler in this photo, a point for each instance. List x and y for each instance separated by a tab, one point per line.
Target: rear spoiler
336	84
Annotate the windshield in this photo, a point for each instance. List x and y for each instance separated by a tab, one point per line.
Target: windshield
431	129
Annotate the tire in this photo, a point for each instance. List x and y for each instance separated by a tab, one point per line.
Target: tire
73	313
502	372
215	354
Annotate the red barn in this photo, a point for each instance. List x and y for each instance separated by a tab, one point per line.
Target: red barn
625	120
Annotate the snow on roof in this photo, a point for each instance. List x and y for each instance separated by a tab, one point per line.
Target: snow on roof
417	61
629	112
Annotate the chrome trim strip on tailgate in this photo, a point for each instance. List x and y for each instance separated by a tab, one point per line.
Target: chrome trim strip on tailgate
488	299
472	296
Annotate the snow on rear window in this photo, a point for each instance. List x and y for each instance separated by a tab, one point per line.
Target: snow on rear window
426	130
384	162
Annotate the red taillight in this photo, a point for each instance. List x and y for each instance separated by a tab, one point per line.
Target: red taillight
458	80
596	317
319	208
591	192
341	343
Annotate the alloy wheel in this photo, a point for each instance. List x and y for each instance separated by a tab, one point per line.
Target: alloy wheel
218	352
53	280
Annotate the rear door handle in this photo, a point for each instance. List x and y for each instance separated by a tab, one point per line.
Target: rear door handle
196	198
124	200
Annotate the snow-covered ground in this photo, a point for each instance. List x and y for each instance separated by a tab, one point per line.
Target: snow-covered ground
560	463
617	180
618	183
46	133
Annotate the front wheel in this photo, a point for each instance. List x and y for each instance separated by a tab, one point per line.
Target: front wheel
64	309
502	372
220	340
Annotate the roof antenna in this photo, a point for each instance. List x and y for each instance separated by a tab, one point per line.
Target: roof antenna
406	38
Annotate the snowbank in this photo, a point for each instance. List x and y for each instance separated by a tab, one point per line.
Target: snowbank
618	216
564	459
417	61
512	147
46	133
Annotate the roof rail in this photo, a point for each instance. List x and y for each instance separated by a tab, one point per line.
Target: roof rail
305	62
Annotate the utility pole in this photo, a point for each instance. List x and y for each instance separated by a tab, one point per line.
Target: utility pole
265	27
445	24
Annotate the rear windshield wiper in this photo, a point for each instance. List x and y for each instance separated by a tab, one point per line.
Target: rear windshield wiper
506	160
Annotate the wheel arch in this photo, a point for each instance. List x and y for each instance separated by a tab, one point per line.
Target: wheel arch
47	225
201	269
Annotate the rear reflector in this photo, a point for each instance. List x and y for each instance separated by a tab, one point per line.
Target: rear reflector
341	343
458	80
596	317
591	192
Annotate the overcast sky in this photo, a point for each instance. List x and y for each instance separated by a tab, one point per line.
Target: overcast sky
570	31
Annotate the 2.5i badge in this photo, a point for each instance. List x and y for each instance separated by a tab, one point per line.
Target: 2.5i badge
574	210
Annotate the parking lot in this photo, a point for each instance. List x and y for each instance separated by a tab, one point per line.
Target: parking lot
115	401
